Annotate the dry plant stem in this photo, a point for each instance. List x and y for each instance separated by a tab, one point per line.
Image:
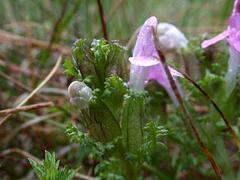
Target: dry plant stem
56	26
103	21
37	88
26	108
20	152
28	124
113	10
40	96
30	156
204	148
83	177
227	123
8	38
18	83
22	86
43	82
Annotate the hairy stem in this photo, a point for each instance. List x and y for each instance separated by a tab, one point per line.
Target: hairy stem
227	123
189	119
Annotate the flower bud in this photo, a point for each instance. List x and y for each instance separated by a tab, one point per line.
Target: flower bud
80	94
170	37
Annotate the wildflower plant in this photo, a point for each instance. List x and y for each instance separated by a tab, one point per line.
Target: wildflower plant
111	113
114	122
112	110
163	107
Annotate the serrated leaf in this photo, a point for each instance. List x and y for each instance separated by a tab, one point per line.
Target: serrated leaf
70	69
96	148
113	94
98	60
49	169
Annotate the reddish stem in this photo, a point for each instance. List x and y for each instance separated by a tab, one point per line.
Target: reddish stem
189	119
103	20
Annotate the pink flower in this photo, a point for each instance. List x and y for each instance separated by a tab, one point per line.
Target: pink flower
145	64
232	35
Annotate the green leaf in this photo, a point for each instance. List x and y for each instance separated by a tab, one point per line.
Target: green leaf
113	94
132	120
78	136
38	168
98	60
110	169
49	169
96	148
70	70
66	174
153	131
103	121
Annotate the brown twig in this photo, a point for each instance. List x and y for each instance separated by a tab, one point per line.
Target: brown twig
8	38
23	24
112	12
18	83
103	20
52	72
22	86
26	88
26	108
28	124
20	152
227	123
189	119
55	30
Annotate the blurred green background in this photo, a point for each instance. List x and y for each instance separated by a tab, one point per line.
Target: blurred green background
81	18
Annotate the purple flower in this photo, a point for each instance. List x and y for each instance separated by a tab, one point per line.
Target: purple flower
232	35
145	64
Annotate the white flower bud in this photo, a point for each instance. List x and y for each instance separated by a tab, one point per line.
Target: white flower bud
170	37
80	94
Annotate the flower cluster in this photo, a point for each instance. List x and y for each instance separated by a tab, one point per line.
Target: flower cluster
145	63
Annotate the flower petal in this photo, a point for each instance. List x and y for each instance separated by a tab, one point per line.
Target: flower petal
234	21
143	61
234	40
145	45
216	39
236	8
158	74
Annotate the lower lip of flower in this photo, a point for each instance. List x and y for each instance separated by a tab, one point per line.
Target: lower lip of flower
143	61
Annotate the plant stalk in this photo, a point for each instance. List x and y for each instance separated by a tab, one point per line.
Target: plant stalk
189	119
